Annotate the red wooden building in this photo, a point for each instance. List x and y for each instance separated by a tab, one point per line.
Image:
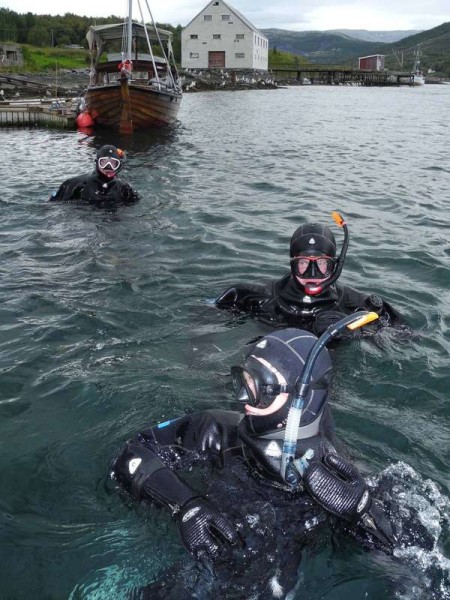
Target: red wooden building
372	63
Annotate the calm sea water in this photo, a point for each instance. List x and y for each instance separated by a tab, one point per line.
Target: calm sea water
106	322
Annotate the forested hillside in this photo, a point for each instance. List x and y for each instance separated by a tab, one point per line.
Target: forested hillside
337	48
318	46
434	48
52	31
326	47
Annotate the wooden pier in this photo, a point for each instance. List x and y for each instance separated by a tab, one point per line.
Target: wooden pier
336	75
45	113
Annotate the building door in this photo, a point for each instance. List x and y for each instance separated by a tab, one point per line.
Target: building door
216	59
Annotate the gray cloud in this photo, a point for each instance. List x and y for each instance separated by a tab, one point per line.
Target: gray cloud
286	14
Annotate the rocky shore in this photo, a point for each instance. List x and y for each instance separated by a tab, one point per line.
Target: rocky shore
201	80
72	83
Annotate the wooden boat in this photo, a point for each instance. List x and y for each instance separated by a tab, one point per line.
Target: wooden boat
132	89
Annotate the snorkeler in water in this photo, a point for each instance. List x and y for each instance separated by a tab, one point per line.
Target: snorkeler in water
102	186
275	476
309	296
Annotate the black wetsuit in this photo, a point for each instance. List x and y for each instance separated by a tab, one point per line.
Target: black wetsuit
96	189
281	303
239	475
275	522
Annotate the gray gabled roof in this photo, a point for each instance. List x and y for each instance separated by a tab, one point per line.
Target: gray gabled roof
235	12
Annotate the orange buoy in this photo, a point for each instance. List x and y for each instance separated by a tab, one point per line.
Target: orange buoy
84	119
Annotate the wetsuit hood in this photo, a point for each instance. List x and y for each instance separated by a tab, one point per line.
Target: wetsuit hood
282	353
309	241
312	239
294	302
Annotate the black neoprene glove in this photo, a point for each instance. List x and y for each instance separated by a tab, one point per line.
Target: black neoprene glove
329	317
227	298
340	489
203	529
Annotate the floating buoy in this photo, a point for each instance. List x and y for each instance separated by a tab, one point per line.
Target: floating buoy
84	119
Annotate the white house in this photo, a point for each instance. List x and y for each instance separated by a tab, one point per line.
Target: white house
220	37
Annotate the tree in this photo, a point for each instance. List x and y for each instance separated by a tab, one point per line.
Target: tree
39	36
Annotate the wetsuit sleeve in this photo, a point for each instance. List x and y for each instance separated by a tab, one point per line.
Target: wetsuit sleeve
146	465
70	189
351	300
244	298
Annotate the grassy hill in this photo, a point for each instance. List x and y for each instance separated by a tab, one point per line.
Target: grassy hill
278	58
435	50
40	59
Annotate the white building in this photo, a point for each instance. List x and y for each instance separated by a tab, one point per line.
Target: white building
220	37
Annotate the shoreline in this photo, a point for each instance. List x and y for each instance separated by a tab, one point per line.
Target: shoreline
73	83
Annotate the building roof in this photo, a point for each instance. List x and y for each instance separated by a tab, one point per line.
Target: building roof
371	56
235	12
115	31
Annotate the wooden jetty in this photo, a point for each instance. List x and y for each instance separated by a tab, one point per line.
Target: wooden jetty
47	113
336	75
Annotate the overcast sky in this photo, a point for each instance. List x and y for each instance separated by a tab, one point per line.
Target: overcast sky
297	15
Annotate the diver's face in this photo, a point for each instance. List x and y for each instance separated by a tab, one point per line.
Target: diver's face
312	269
108	166
278	402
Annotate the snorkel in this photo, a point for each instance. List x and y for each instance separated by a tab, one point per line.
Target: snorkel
313	289
292	469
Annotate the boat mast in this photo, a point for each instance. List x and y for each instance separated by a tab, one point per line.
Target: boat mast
130	28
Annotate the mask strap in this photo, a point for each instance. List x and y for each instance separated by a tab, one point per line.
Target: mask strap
276	388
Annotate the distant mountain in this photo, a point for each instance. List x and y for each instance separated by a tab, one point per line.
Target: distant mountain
325	47
320	46
387	37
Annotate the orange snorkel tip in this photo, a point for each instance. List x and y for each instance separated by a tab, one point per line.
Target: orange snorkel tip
364	320
338	218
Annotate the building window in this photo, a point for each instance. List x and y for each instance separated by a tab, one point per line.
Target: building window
194	36
239	55
207	17
193	55
215	4
225	17
239	36
216	36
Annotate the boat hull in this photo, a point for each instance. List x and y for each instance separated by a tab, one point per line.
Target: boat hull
126	106
412	81
418	80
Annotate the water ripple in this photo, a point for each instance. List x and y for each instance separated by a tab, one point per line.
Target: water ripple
107	323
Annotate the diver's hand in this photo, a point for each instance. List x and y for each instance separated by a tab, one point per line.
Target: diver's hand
340	489
228	298
203	529
326	318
